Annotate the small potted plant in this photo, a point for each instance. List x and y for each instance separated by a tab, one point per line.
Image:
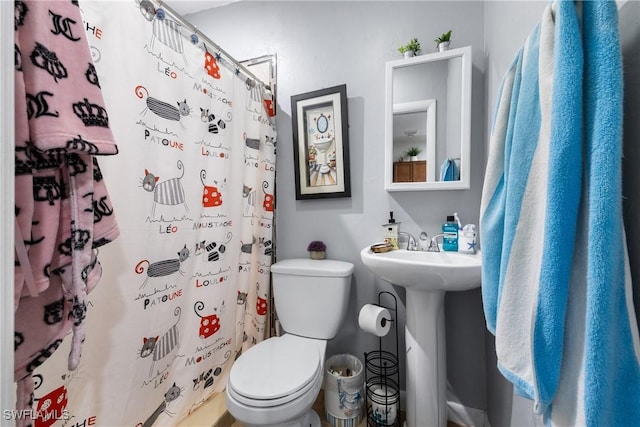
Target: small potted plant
413	152
317	249
444	41
410	49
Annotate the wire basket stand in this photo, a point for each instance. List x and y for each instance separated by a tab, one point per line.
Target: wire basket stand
382	378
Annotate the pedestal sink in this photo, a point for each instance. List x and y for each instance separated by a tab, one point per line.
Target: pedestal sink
426	277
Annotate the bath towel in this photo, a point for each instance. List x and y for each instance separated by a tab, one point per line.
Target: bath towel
63	213
449	170
555	292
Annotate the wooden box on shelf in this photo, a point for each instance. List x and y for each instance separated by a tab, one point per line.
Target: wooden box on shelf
410	171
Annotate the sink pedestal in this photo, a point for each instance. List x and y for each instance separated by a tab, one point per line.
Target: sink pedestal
426	277
426	375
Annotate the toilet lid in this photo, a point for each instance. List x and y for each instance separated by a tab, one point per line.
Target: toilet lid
275	368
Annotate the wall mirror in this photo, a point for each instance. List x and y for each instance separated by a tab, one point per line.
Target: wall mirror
428	107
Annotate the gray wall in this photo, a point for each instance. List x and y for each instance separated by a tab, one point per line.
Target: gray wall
516	20
629	18
322	44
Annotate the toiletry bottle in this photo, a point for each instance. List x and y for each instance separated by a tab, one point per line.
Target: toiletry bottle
391	231
450	231
467	240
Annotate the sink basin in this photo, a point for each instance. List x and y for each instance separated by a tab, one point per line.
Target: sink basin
437	271
427	276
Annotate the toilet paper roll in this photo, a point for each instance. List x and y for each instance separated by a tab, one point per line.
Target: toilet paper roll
374	319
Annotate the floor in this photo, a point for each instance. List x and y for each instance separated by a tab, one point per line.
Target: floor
213	413
318	407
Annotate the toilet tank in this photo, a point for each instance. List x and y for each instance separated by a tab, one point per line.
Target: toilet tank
311	296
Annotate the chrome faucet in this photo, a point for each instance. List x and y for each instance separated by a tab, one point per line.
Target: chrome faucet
412	243
433	246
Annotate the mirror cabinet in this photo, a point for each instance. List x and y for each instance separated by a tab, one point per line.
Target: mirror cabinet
428	121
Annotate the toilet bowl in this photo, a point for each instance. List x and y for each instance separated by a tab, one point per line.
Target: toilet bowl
276	382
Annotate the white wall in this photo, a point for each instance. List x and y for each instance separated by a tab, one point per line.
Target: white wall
322	44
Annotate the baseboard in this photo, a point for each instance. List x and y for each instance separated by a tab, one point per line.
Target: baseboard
211	413
466	416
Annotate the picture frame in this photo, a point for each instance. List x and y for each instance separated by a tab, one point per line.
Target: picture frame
321	143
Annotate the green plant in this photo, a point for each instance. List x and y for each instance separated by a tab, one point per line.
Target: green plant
445	37
413	151
412	46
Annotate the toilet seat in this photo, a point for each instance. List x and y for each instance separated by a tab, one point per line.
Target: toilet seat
275	371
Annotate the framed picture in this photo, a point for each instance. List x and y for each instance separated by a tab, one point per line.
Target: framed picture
321	143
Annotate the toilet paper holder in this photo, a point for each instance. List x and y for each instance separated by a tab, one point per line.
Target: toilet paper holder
382	374
385	320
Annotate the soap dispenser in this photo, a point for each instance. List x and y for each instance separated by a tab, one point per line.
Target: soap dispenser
467	240
391	231
450	232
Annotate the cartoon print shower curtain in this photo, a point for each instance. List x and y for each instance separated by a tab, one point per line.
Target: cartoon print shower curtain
185	286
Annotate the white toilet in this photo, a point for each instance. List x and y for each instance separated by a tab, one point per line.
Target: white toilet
276	382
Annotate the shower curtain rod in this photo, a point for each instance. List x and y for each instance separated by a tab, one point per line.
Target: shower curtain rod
210	42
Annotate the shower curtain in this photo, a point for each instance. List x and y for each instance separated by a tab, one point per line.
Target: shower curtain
185	287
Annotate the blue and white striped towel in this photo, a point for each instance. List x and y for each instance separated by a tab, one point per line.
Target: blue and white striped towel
556	292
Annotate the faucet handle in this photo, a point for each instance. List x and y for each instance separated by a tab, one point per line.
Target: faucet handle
424	241
433	245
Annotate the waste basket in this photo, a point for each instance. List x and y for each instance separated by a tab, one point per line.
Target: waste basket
344	390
